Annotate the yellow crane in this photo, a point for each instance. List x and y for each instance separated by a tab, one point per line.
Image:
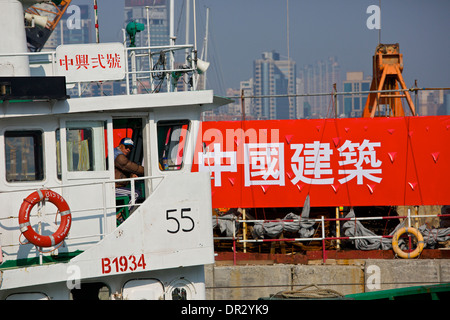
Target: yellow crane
387	76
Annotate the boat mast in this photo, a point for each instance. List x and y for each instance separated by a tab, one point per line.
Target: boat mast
188	13
97	33
204	56
172	31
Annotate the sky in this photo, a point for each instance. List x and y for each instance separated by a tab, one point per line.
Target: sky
240	30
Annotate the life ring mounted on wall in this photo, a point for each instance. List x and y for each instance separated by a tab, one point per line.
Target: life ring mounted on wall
24	218
415	252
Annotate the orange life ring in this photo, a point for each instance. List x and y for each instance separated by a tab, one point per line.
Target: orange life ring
412	254
24	218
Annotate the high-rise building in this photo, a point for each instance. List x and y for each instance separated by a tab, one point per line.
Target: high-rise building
319	77
445	108
273	76
302	106
353	104
430	103
157	13
246	89
73	31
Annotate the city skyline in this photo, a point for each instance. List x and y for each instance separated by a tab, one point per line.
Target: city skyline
228	79
241	30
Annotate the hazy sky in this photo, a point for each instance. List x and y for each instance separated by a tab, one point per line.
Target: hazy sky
240	30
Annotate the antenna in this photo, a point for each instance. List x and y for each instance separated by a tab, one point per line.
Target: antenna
187	29
287	29
195	25
288	55
379	29
202	64
97	34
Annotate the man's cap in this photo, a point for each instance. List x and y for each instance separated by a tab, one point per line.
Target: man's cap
127	142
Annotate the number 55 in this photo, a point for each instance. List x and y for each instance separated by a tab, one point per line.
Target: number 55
171	215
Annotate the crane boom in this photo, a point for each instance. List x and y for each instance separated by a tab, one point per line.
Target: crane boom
50	14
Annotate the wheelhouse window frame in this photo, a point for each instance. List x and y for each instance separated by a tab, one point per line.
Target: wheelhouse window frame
26	162
172	138
92	153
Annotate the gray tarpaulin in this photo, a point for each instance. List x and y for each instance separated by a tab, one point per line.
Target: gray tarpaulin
225	224
355	228
433	236
302	224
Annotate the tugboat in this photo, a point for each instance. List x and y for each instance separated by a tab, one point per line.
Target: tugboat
64	231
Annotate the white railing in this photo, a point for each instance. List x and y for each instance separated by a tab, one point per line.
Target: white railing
159	70
155	65
106	210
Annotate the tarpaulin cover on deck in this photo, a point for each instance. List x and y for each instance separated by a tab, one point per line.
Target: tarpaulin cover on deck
338	162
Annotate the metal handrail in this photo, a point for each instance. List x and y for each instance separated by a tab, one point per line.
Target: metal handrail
130	65
322	221
168	73
104	208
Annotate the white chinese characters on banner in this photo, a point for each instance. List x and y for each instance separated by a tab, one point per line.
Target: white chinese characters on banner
315	163
216	162
264	163
363	158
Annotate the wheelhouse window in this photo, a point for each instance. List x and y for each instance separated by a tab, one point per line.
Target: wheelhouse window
172	137
80	149
24	156
85	146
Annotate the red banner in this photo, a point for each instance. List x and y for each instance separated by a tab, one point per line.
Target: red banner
338	162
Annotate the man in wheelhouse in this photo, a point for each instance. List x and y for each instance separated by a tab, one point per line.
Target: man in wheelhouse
124	168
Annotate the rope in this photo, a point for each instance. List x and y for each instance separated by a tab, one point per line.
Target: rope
316	158
310	292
